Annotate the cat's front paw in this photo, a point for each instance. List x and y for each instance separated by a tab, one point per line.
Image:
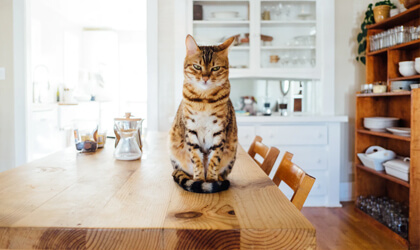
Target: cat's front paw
212	178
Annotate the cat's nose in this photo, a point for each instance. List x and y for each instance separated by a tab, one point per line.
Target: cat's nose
205	79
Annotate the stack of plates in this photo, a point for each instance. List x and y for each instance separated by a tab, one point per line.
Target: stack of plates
401	131
379	124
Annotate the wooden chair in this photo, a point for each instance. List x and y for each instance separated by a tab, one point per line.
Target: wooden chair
295	178
268	154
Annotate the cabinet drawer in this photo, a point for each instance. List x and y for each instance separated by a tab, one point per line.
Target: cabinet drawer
246	135
308	158
294	135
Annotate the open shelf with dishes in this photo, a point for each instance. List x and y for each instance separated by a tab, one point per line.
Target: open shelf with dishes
273	37
403	139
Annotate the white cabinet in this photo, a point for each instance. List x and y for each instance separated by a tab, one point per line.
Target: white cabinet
301	46
293	33
316	145
294	135
246	135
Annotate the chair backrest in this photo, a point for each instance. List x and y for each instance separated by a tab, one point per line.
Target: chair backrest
268	154
295	178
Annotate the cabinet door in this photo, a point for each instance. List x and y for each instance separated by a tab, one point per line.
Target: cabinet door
214	21
288	31
246	135
294	135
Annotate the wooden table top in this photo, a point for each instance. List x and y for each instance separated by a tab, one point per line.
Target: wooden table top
92	201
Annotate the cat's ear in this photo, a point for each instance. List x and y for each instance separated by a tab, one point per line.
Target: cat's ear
226	44
224	47
192	46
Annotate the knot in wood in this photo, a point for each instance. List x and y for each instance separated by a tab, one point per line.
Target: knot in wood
188	215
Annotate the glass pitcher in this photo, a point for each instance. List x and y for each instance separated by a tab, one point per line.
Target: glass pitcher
128	138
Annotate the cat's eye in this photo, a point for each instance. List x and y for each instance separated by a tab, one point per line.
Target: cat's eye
196	67
215	68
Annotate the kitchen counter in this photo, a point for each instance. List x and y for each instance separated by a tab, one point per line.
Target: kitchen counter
276	118
92	201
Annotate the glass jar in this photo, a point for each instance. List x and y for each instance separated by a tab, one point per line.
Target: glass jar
400	34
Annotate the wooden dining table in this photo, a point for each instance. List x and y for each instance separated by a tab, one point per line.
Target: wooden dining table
71	200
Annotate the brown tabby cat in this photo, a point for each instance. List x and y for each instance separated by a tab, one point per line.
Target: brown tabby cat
203	137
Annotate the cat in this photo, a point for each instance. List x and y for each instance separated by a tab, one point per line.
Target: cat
203	138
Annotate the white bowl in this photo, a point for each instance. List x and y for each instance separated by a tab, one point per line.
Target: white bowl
225	14
406	63
417	67
417	60
407	70
379	124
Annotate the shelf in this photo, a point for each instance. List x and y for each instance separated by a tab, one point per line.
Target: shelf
409	45
221	23
376	52
384	134
276	22
224	1
288	0
68	103
384	175
287	47
381	227
415	77
387	94
399	19
274	73
240	47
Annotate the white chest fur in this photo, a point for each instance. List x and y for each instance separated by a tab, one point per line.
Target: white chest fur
205	126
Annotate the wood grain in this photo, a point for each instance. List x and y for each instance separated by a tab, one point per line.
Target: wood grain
414	214
300	182
269	154
92	201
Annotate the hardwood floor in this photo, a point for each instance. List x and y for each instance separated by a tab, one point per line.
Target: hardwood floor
342	229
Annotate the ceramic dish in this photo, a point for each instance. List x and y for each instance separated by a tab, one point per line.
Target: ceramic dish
398	168
401	85
400	131
375	156
406	68
379	124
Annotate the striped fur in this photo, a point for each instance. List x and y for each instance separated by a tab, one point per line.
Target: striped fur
203	137
186	182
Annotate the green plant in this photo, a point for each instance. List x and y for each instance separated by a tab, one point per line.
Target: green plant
386	2
361	37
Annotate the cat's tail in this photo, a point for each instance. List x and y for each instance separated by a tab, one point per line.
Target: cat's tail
185	181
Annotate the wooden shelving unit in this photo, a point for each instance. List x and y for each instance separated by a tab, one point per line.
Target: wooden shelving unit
384	134
382	65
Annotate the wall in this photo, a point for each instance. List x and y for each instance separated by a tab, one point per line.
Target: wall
7	142
166	50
